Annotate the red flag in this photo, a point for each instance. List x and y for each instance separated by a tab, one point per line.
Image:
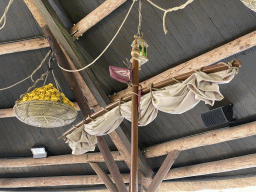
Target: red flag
120	74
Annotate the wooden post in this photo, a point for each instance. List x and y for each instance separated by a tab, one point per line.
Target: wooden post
104	177
135	117
110	162
164	169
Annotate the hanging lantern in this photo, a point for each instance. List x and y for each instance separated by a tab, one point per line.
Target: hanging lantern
251	4
143	46
45	107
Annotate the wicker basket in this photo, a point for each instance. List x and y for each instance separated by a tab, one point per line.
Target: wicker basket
43	113
251	4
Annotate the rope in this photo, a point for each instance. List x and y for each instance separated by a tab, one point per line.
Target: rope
3	18
140	18
30	76
105	48
169	10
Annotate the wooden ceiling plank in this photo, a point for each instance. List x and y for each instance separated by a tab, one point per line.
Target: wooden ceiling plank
226	165
161	173
95	16
104	177
240	44
111	164
23	45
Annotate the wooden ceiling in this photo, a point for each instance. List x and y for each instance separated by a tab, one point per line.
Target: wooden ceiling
201	27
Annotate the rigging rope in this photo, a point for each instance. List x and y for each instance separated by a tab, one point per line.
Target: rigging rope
30	76
169	10
3	18
76	70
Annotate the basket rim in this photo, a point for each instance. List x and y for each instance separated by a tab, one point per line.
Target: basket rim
42	101
19	104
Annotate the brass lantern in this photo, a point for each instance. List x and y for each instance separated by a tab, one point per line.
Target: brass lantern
143	46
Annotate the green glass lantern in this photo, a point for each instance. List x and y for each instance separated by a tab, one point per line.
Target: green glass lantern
143	46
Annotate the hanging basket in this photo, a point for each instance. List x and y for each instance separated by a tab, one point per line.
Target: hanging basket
45	107
251	4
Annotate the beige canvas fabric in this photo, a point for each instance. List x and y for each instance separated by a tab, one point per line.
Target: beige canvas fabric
251	4
174	99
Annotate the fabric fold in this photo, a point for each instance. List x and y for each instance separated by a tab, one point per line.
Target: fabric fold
174	99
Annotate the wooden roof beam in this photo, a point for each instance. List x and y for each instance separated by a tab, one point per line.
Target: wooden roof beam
186	143
104	177
112	167
23	45
161	173
226	165
241	44
95	16
89	79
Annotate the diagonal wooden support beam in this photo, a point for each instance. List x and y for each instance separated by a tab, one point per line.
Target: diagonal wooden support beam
71	48
104	177
76	59
164	169
117	177
241	44
95	16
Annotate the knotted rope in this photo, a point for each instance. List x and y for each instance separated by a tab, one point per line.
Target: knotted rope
169	10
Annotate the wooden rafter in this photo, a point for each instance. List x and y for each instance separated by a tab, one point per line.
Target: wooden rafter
111	164
95	16
164	169
231	164
186	143
23	45
241	44
104	177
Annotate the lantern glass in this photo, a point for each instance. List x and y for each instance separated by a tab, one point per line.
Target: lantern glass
145	51
142	45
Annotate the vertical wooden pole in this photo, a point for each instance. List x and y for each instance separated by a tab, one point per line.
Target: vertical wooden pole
134	129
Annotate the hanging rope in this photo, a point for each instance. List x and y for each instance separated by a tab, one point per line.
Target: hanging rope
169	10
30	76
3	18
105	48
140	18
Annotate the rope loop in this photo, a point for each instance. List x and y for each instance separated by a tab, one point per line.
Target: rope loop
90	118
169	10
104	109
151	91
177	81
119	105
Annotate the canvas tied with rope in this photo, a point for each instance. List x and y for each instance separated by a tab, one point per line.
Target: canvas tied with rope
46	106
174	99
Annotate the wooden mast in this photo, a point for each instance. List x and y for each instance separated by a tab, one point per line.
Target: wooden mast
134	126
